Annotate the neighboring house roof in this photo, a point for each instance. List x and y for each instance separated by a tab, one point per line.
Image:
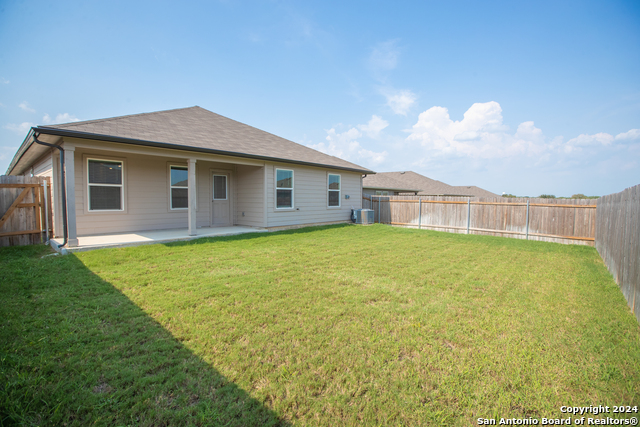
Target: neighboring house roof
426	186
410	179
474	191
193	129
384	181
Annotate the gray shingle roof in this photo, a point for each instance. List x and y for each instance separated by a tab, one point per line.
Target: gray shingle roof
425	186
198	128
384	180
474	191
409	179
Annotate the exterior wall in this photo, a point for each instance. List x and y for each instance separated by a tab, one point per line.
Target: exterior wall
252	183
249	196
44	167
146	194
310	196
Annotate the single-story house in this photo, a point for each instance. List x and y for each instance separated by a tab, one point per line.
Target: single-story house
412	183
185	168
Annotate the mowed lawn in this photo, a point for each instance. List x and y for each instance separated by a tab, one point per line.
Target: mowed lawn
343	325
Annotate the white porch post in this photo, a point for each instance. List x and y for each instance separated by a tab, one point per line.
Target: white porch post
55	197
265	218
70	178
192	197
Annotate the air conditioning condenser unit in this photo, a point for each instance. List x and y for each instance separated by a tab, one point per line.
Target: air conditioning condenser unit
363	216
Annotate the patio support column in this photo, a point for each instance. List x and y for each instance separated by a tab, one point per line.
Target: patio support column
70	175
55	194
191	192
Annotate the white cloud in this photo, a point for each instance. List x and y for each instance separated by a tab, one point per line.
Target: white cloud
345	145
374	127
60	118
590	140
25	106
481	138
481	133
4	81
400	101
632	135
384	56
21	129
7	152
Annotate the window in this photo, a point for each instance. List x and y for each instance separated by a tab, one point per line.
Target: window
219	187
284	189
104	181
179	191
333	189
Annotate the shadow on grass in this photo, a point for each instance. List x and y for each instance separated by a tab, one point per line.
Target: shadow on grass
76	351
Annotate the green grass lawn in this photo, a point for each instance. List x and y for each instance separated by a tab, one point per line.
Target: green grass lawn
338	325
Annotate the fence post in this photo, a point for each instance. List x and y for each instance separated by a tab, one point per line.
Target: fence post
379	211
419	213
468	213
527	219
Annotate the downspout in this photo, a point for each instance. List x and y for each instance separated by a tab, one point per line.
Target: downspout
64	187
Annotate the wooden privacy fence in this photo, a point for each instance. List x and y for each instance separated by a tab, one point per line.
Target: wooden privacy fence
554	220
25	210
618	241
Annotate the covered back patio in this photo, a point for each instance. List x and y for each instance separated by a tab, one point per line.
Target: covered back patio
117	240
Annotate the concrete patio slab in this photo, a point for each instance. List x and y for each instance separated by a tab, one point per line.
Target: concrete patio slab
150	237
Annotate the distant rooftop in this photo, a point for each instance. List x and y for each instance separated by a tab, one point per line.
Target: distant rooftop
411	182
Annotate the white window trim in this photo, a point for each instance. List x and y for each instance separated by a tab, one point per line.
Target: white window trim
226	183
171	208
338	190
293	185
89	184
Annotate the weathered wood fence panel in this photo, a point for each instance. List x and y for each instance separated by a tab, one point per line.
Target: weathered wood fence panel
554	220
24	216
618	241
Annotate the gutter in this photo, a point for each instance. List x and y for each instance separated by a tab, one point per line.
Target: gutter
99	137
64	185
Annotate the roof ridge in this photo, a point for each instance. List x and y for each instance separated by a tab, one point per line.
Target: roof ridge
108	119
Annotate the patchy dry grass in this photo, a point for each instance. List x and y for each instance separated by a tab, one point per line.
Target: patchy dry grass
321	326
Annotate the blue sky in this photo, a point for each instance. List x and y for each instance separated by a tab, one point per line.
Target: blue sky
518	97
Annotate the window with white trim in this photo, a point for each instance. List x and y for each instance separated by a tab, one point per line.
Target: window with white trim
333	190
179	187
104	182
284	189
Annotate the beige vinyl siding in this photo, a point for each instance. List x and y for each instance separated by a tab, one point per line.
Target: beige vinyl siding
310	196
43	167
249	196
146	195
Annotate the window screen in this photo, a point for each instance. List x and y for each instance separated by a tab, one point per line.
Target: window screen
333	190
105	185
102	172
179	187
284	188
219	187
